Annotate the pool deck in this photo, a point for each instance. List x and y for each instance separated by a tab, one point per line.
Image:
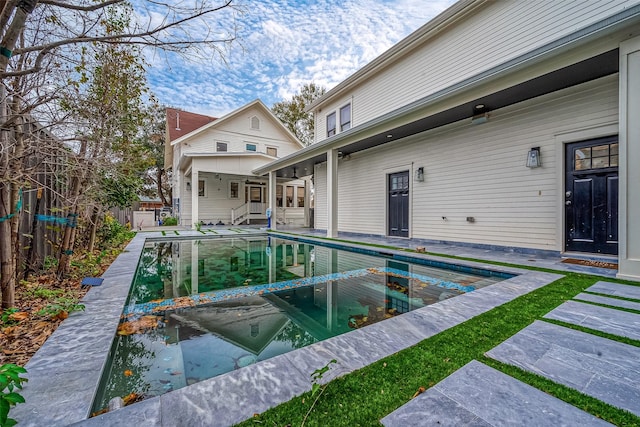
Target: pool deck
64	374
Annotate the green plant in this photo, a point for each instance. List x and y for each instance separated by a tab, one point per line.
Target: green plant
6	316
50	262
112	233
170	221
316	388
60	305
9	380
199	226
44	293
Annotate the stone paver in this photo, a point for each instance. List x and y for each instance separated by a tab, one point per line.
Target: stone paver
616	290
603	319
477	395
614	302
605	369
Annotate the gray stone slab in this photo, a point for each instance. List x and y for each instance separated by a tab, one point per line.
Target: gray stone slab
603	319
605	369
420	412
614	302
492	398
228	399
616	289
144	414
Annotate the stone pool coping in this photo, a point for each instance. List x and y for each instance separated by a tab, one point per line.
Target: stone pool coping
64	374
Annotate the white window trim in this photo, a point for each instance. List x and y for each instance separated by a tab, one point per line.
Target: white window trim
266	149
251	123
339	116
222	142
229	190
326	121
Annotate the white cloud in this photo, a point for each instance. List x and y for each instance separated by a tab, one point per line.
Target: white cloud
285	44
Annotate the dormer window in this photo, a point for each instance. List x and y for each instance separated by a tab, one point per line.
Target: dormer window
255	123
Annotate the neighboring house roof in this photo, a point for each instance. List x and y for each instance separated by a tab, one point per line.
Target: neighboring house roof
222	120
180	123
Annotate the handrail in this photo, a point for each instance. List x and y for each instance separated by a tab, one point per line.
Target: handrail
239	212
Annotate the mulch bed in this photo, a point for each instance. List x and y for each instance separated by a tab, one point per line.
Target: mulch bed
590	263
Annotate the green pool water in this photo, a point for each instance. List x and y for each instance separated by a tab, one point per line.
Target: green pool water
215	305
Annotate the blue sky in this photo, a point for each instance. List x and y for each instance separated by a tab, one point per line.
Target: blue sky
282	45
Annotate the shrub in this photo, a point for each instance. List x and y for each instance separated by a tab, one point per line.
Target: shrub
170	221
112	233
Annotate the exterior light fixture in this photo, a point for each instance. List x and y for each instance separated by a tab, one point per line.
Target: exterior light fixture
294	176
480	114
533	158
188	185
419	176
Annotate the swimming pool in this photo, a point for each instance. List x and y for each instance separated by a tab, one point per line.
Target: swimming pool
201	308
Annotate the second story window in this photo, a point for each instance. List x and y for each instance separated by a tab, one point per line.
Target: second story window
345	118
251	147
331	124
221	146
272	151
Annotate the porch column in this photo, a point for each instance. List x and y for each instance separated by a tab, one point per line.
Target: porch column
272	198
332	193
194	198
629	173
307	202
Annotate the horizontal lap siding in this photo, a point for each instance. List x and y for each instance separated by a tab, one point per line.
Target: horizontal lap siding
475	171
495	34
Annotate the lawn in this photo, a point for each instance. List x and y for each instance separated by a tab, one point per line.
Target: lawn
363	397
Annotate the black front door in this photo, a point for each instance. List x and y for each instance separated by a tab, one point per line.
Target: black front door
399	204
591	196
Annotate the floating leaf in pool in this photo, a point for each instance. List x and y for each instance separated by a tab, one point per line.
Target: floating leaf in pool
128	372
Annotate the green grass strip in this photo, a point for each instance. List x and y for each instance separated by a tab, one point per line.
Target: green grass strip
363	397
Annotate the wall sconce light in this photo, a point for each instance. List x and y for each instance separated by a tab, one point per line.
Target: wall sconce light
419	174
533	158
188	185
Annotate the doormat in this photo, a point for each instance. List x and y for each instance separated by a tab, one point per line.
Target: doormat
591	263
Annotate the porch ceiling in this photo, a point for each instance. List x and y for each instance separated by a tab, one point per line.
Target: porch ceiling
581	72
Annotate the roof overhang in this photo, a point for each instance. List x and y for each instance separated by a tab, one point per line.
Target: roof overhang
186	159
457	102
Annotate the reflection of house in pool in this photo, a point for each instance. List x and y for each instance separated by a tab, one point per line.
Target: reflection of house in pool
250	323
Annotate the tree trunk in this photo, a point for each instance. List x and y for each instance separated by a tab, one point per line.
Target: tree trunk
7	272
94	227
66	249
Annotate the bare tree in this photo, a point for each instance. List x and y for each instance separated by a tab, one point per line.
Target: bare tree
40	40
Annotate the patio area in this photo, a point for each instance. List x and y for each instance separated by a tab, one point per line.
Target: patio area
64	374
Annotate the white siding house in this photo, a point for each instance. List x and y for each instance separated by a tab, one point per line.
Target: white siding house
213	165
441	137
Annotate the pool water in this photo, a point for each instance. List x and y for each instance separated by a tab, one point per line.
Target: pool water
201	308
